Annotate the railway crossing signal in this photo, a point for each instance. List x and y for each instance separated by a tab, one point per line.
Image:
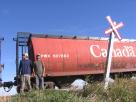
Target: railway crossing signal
114	27
113	31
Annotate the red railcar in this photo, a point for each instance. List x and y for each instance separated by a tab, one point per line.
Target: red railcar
64	56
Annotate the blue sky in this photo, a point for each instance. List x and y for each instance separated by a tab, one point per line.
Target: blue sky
63	17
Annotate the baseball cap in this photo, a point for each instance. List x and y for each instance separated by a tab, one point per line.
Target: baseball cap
25	54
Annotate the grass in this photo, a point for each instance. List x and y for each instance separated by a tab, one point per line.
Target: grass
48	96
123	90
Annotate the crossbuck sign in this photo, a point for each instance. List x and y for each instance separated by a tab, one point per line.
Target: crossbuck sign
113	31
114	27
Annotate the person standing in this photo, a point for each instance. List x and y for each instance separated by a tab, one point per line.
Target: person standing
39	72
25	69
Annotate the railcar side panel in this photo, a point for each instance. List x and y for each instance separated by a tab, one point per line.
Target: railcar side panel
64	57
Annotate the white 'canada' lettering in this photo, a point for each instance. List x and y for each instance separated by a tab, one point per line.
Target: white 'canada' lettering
126	51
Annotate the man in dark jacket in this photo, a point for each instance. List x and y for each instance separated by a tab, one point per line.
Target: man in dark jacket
25	69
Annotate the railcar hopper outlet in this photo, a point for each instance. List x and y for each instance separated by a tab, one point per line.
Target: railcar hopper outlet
113	32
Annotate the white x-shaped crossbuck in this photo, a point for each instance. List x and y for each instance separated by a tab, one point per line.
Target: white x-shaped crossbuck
114	27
